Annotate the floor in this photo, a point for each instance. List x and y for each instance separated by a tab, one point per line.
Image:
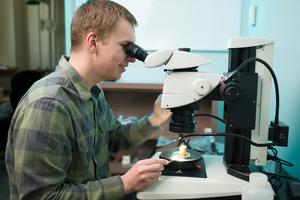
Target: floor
4	191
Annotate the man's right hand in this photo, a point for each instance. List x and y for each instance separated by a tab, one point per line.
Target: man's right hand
142	174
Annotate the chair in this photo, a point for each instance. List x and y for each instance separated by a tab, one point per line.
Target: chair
20	82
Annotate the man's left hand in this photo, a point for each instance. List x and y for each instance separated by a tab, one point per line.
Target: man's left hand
159	115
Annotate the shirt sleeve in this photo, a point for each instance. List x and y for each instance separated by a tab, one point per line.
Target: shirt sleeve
123	136
40	153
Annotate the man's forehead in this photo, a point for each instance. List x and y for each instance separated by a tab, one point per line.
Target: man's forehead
124	30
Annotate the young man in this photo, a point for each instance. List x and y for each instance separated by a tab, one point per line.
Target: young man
58	146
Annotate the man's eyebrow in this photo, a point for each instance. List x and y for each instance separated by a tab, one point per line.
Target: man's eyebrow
127	41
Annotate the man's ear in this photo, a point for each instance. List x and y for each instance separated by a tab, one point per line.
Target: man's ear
91	42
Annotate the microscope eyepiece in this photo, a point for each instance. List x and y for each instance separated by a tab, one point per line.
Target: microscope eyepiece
135	51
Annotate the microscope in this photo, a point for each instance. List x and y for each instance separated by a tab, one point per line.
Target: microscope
245	90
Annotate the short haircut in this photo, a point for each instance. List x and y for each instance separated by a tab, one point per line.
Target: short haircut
99	16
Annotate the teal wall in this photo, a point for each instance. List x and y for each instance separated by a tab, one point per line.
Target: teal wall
70	6
279	20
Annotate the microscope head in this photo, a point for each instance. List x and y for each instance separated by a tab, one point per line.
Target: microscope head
183	87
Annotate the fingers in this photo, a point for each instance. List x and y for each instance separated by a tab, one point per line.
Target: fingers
152	161
150	176
160	115
159	97
153	168
152	165
143	173
163	161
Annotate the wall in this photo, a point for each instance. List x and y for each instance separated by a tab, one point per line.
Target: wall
12	33
198	24
279	20
69	8
206	32
7	33
169	24
31	36
45	34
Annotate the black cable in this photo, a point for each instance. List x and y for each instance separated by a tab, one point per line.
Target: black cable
179	139
275	178
246	62
210	115
281	176
279	160
222	134
275	158
275	152
186	142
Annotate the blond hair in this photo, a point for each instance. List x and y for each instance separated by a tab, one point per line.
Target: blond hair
100	16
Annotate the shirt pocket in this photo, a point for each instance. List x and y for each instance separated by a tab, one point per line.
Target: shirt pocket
85	143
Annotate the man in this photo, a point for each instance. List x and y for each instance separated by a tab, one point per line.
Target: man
59	137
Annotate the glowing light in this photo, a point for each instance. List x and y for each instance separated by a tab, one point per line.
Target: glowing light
182	151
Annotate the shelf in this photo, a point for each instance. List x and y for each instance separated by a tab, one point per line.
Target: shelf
7	72
132	87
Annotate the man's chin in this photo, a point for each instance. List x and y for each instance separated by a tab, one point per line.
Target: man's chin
113	78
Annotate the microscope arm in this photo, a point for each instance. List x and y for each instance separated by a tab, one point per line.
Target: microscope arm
183	83
187	87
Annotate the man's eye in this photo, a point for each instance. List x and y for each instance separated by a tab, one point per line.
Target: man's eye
124	46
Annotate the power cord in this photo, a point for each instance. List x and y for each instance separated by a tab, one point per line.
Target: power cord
210	115
265	64
275	178
181	137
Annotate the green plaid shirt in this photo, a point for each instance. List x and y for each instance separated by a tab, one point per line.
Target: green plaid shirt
58	143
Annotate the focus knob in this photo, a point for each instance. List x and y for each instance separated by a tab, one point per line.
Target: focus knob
201	86
230	92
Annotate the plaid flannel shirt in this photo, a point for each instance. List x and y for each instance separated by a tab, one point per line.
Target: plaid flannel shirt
58	143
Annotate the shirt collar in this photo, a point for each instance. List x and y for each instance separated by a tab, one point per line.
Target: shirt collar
77	81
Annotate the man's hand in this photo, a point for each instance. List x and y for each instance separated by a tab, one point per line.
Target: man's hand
159	115
142	174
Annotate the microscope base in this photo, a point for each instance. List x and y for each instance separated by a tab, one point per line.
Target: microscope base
218	184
